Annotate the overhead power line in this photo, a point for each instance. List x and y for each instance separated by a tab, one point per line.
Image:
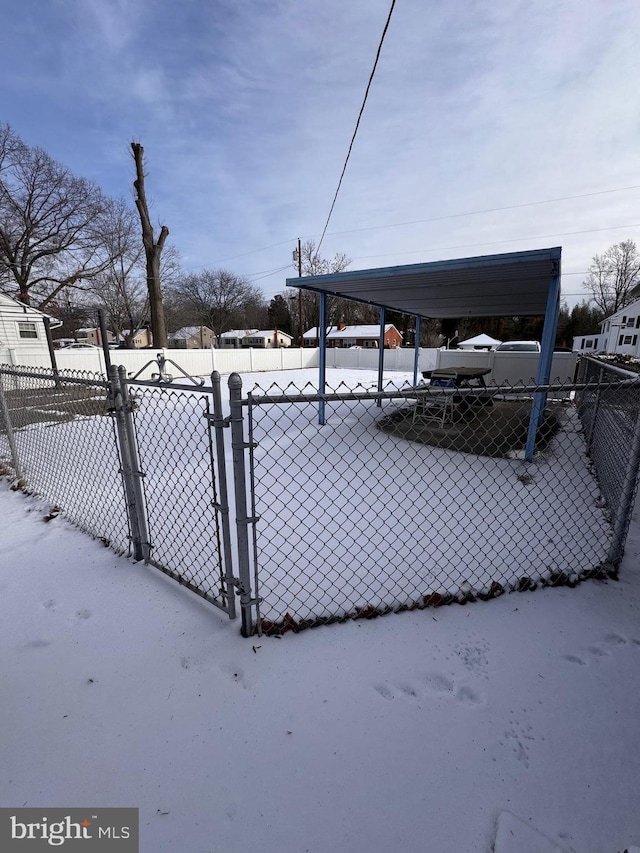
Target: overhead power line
486	210
355	132
498	242
432	219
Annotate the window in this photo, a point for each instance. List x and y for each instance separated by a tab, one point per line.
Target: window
589	344
631	322
627	339
28	331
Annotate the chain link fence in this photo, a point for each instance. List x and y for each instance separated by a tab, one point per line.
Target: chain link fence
344	505
609	407
58	437
422	497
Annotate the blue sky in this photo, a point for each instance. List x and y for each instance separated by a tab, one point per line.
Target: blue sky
246	109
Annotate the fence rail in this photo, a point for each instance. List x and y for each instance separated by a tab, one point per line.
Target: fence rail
391	501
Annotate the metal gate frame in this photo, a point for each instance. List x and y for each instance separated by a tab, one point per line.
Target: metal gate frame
133	475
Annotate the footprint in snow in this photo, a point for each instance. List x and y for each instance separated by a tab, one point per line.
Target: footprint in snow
434	683
37	644
597	652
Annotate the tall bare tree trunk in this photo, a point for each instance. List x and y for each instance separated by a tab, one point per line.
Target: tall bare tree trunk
152	251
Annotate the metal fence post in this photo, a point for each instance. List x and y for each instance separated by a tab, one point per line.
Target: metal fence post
6	417
239	445
223	505
627	495
596	409
134	459
125	458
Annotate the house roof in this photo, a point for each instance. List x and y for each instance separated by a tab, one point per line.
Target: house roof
622	312
187	332
313	332
359	332
507	285
13	306
238	333
267	334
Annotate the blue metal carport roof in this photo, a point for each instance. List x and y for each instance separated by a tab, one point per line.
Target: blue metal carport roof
515	284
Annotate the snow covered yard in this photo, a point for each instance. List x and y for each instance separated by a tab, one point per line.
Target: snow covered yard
421	732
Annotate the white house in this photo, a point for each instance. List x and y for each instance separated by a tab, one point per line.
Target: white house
234	337
22	330
619	334
270	339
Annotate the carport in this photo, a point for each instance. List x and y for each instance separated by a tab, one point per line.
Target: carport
516	284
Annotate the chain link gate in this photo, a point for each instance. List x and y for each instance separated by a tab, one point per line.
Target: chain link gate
179	479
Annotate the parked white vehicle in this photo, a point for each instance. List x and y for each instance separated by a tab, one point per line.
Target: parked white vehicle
518	346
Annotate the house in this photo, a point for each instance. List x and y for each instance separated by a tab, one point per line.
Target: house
140	338
22	330
367	337
619	334
311	337
92	336
480	342
233	338
192	337
270	339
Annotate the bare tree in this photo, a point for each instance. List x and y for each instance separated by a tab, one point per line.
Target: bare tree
613	276
152	250
313	264
52	224
120	290
220	299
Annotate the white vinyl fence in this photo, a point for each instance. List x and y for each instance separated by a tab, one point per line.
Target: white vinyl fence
511	368
201	362
506	367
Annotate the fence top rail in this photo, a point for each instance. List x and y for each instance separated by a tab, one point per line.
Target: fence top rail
170	386
605	365
419	391
50	376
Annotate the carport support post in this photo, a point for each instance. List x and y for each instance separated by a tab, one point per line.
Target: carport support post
544	362
416	353
322	355
380	356
239	445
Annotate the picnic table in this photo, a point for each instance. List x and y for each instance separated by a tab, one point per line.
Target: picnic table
462	377
455	405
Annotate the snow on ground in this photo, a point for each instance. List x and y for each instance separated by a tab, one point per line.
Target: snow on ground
508	725
426	731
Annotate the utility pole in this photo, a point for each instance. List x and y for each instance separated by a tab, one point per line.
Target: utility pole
300	338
